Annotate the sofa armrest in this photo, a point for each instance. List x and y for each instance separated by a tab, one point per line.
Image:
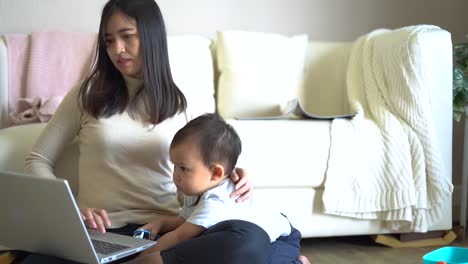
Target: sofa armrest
434	48
16	143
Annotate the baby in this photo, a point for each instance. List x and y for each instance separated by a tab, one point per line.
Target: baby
204	152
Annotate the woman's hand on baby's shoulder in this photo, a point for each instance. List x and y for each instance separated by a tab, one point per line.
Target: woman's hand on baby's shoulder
244	188
96	218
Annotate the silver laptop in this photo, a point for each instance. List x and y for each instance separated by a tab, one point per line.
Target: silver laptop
40	215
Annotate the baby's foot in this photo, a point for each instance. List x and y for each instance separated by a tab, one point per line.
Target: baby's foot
303	259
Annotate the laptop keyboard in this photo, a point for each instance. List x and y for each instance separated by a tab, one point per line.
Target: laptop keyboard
104	247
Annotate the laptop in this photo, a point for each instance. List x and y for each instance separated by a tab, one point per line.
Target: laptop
40	215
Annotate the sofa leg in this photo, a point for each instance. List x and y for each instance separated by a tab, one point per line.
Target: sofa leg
413	240
460	230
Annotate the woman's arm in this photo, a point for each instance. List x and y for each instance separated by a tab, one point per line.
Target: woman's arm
60	131
244	187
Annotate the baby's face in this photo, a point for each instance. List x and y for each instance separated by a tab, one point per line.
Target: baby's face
191	176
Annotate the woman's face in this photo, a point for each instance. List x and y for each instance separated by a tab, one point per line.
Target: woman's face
123	44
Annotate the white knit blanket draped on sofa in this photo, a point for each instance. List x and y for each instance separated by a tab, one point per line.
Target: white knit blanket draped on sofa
406	182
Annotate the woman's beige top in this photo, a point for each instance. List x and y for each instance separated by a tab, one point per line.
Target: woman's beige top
124	163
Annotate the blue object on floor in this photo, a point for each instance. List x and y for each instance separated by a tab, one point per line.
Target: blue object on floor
451	255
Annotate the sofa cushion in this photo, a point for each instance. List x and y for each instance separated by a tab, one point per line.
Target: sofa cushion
324	81
192	69
257	72
284	153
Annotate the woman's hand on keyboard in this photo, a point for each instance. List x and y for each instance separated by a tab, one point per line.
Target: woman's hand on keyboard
96	218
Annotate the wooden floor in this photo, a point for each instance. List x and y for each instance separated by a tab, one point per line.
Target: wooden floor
362	249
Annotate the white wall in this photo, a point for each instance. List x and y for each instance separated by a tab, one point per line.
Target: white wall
321	19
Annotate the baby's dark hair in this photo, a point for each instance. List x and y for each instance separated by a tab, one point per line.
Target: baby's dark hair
217	140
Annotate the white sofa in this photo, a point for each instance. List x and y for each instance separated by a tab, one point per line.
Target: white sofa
286	158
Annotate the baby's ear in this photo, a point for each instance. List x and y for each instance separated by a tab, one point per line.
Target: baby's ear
217	172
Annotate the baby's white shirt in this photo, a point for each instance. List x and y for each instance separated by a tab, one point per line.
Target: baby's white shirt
215	206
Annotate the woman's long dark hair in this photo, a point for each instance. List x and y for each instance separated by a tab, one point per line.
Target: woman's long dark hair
104	93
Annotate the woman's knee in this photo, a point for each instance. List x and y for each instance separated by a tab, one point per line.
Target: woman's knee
248	242
228	242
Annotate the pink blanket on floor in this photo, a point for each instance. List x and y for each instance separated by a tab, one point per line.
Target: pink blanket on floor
45	65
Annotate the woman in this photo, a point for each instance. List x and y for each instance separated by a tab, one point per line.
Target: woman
125	107
124	115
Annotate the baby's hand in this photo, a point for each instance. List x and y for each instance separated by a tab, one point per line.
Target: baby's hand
152	230
142	233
